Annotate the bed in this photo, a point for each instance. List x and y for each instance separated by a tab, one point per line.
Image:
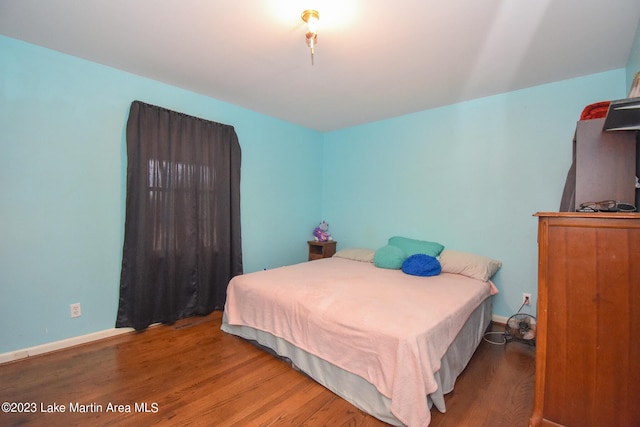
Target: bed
390	343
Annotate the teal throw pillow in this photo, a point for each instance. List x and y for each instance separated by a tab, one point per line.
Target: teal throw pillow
412	246
390	257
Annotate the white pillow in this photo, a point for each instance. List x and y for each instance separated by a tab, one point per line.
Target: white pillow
471	265
356	254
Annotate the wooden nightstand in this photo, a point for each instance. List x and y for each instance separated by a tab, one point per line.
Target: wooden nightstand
318	250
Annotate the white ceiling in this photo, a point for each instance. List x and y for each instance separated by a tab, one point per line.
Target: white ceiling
375	59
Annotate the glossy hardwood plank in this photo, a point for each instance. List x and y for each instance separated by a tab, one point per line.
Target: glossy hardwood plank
496	388
191	373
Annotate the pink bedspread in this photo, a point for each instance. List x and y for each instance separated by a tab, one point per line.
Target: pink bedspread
388	327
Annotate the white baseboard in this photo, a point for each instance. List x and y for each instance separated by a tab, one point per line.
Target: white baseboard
59	345
499	319
83	339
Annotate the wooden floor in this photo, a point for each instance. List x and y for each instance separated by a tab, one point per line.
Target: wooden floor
191	373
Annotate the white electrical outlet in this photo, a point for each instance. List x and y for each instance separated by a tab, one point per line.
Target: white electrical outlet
76	311
526	299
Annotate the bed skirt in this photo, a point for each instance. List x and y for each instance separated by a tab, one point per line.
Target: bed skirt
360	392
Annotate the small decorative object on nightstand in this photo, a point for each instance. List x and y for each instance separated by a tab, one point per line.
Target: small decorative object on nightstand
318	250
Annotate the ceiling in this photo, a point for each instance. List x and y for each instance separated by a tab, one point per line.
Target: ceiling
375	59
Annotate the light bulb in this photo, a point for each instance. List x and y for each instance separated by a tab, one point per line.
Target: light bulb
312	23
312	18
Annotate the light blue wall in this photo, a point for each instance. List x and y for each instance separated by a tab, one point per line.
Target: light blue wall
633	65
469	176
63	170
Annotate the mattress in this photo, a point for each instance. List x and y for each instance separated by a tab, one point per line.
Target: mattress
381	339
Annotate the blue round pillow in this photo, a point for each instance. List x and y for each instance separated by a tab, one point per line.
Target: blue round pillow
421	265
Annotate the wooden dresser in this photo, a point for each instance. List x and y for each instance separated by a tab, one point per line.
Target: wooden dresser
588	339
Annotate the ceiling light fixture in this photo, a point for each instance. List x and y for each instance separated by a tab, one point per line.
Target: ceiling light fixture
311	18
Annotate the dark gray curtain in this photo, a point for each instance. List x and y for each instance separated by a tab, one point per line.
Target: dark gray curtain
182	241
